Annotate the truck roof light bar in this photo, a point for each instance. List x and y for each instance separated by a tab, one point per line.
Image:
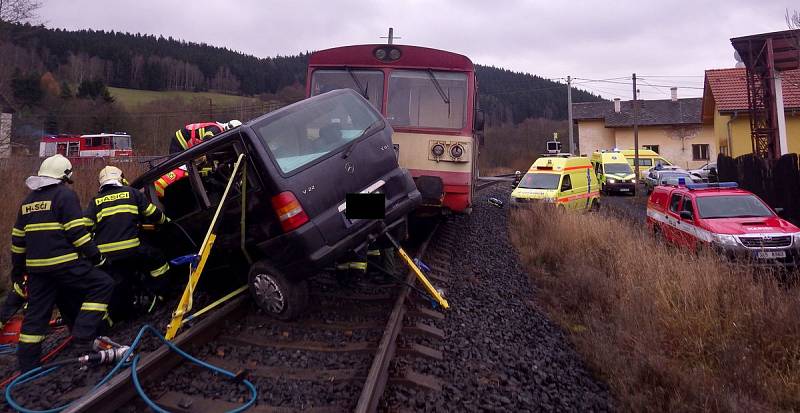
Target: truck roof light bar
715	185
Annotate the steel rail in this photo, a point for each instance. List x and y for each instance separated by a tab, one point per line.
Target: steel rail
379	370
119	390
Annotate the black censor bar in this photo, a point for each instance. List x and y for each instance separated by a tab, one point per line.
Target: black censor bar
365	206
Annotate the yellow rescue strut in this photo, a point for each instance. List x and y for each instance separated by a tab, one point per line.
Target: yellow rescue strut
420	275
185	305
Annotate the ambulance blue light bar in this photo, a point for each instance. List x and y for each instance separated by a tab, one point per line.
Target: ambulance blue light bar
724	185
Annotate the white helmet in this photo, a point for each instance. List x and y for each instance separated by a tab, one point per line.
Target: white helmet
110	174
56	166
232	124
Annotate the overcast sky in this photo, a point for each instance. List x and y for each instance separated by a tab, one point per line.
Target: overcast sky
664	42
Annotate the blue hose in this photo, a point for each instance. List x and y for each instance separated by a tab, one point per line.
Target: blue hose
45	370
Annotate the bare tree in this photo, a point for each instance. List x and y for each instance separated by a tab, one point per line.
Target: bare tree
18	11
793	21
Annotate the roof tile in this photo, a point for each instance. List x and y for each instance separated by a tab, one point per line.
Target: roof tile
729	88
651	112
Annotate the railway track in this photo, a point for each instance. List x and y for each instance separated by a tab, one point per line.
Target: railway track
338	357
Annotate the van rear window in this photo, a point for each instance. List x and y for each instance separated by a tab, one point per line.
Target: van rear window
320	127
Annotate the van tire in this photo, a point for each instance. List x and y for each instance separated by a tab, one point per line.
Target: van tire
275	294
595	207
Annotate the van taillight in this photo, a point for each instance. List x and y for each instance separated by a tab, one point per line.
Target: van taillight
289	211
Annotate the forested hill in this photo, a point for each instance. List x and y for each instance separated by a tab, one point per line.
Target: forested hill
150	62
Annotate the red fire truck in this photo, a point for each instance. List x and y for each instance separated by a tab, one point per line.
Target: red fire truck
101	145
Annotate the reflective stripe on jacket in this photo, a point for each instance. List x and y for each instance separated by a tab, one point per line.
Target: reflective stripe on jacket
49	233
116	213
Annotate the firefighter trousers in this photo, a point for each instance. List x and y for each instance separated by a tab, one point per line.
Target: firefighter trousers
145	269
85	284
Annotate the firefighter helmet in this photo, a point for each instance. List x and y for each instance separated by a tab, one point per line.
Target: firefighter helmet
232	124
56	166
110	174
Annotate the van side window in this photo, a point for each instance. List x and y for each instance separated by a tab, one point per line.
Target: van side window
566	183
675	202
216	168
687	205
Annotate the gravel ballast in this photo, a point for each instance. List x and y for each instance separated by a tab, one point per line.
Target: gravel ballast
501	352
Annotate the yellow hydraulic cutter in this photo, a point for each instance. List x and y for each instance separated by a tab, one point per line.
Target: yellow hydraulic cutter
185	305
418	272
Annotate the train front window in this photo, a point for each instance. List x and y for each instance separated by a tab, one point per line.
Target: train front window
427	99
365	82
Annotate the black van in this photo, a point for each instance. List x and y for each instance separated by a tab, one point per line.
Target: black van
301	162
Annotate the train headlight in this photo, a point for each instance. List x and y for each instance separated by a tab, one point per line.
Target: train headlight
380	54
456	151
437	150
394	54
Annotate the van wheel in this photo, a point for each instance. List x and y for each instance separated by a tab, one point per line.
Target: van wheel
595	206
275	293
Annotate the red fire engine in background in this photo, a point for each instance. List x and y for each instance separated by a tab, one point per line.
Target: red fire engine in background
102	145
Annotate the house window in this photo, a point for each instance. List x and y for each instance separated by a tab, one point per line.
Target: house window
700	152
653	148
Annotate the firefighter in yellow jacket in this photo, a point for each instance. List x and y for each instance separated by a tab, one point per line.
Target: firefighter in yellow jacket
50	243
116	214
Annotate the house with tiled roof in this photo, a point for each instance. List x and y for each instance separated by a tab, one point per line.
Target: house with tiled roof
725	109
671	127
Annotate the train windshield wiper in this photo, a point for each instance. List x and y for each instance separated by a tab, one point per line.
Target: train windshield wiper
361	89
371	128
438	86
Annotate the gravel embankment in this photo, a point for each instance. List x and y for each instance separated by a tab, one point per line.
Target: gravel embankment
501	353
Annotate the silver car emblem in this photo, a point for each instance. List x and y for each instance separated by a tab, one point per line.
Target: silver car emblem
349	167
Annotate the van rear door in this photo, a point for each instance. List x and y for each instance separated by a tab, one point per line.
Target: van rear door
326	147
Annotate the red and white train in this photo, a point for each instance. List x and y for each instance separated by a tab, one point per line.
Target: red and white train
429	97
101	145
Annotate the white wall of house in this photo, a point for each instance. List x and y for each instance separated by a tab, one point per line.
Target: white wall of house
675	143
594	136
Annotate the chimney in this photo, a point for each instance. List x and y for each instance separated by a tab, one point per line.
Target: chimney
674	91
617	105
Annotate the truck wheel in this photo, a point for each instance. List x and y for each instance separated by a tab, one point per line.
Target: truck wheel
275	293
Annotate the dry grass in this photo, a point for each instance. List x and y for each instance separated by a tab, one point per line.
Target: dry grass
668	330
13	190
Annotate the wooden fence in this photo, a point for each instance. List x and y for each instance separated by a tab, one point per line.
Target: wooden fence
776	182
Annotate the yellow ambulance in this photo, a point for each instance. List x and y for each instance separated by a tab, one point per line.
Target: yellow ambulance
613	172
566	181
647	159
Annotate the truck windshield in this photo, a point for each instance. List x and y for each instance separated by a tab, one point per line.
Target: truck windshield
427	99
539	181
316	129
122	142
364	82
617	168
731	206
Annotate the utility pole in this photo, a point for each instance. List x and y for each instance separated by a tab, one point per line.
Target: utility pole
210	109
391	37
635	132
569	115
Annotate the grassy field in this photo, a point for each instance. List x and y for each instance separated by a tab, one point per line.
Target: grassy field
667	329
130	98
